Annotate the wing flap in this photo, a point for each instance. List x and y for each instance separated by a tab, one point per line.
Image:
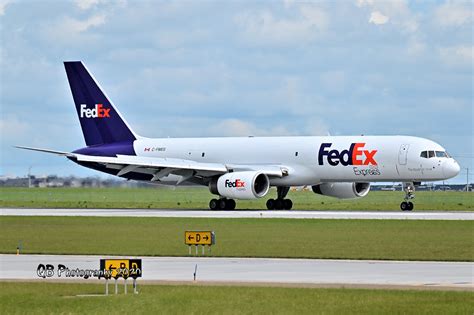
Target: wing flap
154	162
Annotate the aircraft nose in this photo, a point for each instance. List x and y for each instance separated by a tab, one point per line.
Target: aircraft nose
451	168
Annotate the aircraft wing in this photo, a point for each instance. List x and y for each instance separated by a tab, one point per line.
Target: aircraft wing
162	167
153	162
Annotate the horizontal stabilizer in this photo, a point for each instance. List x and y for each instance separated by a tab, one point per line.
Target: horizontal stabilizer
45	150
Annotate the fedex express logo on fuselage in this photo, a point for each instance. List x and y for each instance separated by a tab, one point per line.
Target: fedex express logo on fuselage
99	111
355	155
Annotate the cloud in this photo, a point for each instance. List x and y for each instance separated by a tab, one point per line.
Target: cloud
397	11
12	126
3	5
403	20
237	127
78	26
317	127
74	32
453	104
454	13
361	3
306	25
289	3
334	81
86	4
415	47
460	55
378	18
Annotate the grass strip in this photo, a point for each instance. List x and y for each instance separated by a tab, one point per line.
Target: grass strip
198	198
61	298
338	239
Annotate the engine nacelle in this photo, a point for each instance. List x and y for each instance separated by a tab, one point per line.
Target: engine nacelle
342	190
241	185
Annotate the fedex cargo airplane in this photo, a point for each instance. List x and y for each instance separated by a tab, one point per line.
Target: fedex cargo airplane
246	167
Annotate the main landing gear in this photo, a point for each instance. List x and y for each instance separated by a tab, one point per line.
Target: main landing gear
222	204
409	189
280	203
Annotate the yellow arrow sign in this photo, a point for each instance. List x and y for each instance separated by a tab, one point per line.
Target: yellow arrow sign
122	268
198	238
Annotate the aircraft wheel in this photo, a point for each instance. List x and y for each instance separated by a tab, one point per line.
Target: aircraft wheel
271	204
410	206
288	204
279	205
230	204
222	203
404	206
213	204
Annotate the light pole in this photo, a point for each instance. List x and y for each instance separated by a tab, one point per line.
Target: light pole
467	179
29	176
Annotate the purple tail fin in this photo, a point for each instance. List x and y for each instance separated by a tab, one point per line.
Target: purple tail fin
101	123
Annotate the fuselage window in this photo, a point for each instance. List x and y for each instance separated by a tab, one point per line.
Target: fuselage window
424	154
296	153
431	154
440	154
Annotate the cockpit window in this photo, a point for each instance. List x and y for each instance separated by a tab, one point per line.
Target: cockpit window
432	154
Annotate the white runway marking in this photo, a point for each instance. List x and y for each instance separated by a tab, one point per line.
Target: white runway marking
293	214
262	270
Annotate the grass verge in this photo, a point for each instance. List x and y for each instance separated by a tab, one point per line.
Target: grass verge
339	239
61	298
198	198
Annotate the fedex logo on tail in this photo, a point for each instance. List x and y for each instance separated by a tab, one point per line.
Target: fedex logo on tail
355	155
97	112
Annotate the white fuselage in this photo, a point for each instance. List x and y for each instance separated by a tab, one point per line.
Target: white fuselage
313	160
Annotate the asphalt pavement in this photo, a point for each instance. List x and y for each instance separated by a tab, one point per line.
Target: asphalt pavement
287	214
259	270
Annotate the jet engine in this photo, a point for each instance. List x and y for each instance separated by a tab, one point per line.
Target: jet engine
241	185
342	190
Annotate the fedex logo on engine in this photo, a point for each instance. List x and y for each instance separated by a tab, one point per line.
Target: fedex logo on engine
355	155
235	184
97	112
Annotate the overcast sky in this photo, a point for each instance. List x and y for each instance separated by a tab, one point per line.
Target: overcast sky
182	68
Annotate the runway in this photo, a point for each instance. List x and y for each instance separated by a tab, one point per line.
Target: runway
261	270
293	214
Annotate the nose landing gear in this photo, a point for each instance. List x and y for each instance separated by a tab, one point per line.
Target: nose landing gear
280	203
409	189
